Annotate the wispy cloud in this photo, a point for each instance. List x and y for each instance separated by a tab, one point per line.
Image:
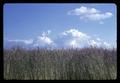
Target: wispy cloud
29	41
91	14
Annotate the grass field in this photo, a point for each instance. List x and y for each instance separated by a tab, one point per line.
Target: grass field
60	64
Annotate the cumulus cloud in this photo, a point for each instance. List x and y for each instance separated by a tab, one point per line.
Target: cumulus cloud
44	39
91	14
83	10
98	43
75	33
94	43
74	37
73	43
69	38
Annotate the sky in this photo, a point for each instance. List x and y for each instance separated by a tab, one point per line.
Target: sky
60	25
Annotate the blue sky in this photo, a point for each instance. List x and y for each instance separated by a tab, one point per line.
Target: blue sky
60	24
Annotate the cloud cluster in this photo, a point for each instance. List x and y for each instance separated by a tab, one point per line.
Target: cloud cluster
44	39
75	38
69	38
98	43
91	14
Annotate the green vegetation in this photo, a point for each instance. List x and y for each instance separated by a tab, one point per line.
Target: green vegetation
60	64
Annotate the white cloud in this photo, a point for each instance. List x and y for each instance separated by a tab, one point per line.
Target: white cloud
98	43
97	16
46	33
98	39
83	10
106	44
74	38
73	43
75	33
94	43
69	38
44	39
64	33
29	41
92	14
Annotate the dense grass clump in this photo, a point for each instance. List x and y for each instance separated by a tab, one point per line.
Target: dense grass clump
60	64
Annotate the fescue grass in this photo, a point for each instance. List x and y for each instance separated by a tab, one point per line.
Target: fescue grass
60	64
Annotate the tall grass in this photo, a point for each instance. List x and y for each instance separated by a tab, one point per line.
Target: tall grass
60	64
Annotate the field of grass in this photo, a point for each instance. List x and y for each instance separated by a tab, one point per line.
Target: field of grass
60	64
